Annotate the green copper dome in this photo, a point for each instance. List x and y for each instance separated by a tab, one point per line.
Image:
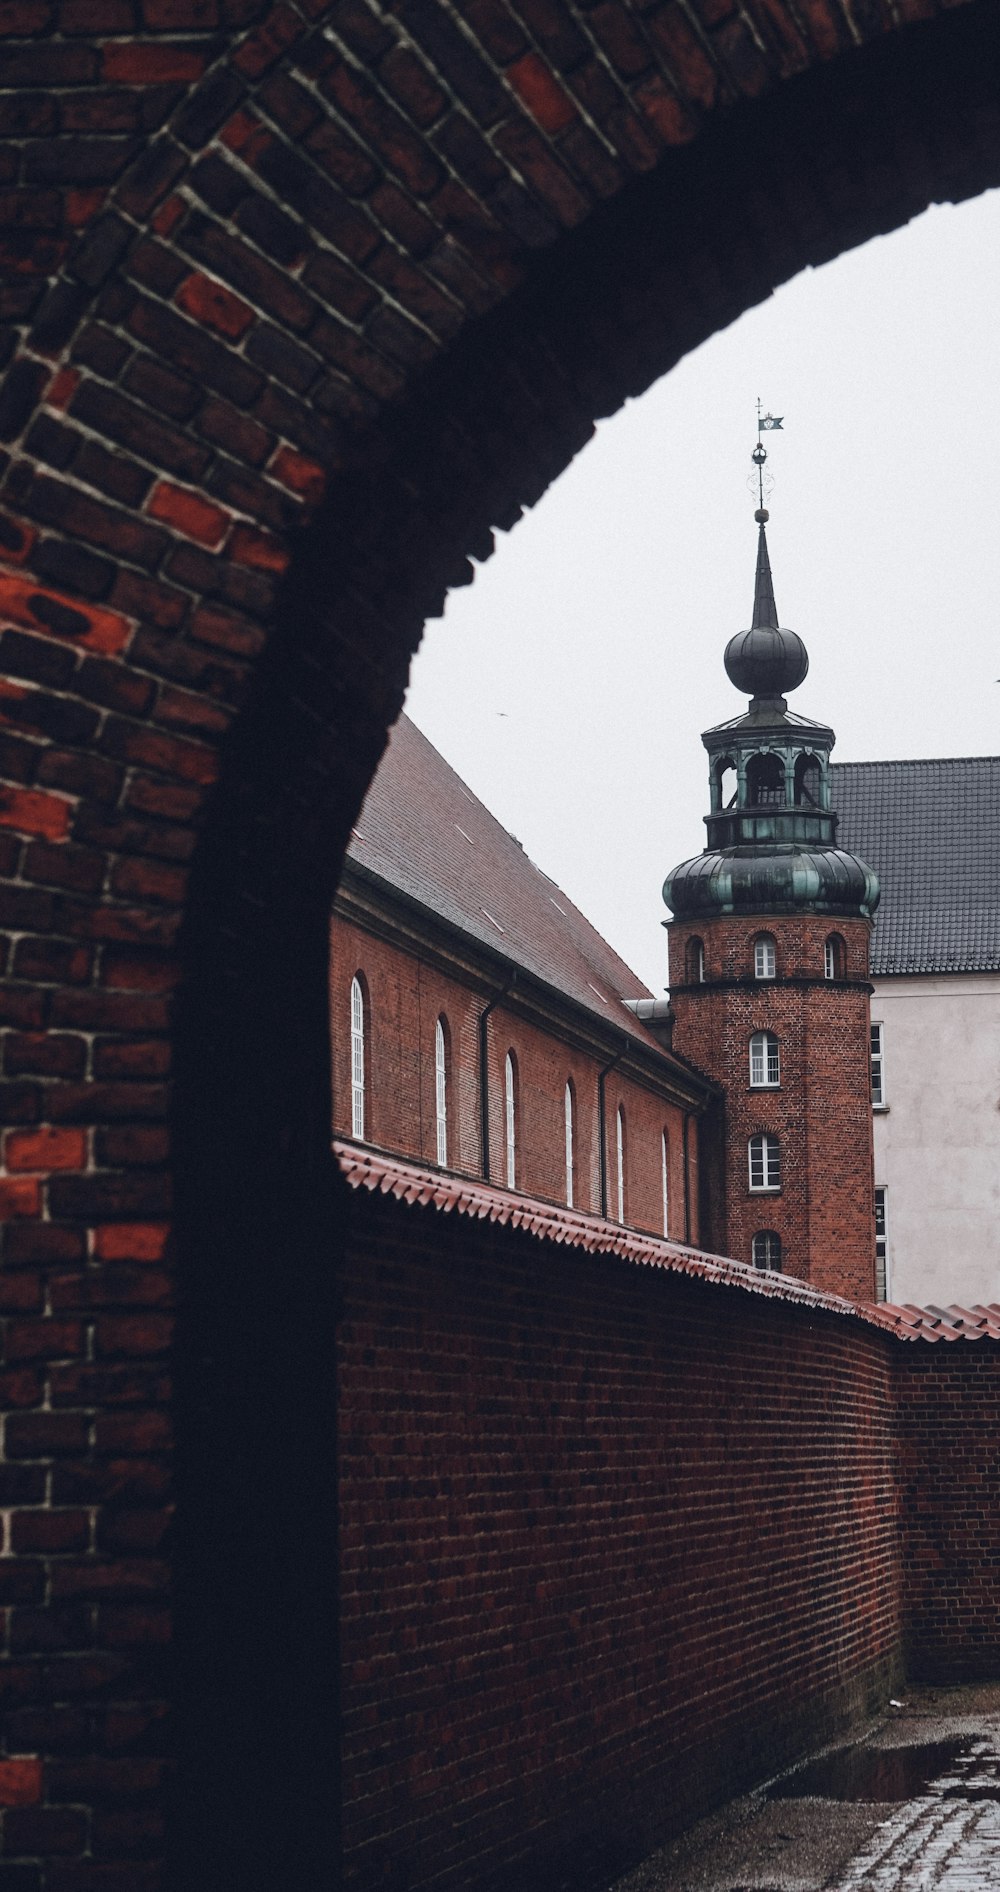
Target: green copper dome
772	834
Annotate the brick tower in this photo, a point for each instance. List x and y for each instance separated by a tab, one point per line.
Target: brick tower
769	977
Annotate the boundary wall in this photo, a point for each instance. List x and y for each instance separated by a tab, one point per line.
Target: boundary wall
615	1543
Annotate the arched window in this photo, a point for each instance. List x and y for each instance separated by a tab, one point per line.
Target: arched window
665	1175
807	782
357	1058
569	1144
620	1151
834	957
695	961
765	961
725	782
764	1155
765	781
765	1061
510	1117
767	1251
441	1089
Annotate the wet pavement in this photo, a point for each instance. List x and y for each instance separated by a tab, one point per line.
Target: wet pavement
911	1805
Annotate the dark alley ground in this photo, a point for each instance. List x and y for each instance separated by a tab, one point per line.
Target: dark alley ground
912	1806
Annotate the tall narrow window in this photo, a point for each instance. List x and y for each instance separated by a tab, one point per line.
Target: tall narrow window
695	962
878	1068
441	1091
665	1173
510	1119
834	957
766	1251
620	1150
764	960
881	1243
569	1145
357	1059
765	1061
764	1155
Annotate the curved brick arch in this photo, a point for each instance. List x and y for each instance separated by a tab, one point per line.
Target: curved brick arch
346	290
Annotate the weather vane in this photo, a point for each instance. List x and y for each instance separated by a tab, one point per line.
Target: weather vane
765	424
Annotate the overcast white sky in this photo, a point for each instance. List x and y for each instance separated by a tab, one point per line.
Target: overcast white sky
570	683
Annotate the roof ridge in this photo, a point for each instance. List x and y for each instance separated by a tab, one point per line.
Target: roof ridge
915	761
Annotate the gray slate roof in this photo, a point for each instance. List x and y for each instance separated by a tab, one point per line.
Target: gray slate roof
931	830
423	832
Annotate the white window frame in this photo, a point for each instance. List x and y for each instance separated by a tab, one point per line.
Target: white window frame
441	1093
764	1164
620	1153
763	1256
882	1268
569	1144
510	1121
829	959
357	1058
876	1064
765	957
765	1061
665	1172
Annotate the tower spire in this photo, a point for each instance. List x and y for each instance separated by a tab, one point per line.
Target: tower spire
765	611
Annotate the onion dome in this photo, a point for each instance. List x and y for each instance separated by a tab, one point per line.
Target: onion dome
765	661
771	879
771	828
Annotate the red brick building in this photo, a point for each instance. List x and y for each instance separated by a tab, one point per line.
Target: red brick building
481	1024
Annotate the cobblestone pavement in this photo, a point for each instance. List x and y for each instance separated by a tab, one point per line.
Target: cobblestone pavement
935	1762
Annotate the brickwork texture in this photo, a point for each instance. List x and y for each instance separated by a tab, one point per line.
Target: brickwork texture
820	1112
301	301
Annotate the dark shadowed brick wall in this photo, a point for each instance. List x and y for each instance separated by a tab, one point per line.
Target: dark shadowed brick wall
615	1543
301	301
949	1402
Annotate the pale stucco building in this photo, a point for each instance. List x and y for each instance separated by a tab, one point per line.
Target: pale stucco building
931	830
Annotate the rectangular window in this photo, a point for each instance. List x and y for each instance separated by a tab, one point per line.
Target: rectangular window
878	1068
881	1243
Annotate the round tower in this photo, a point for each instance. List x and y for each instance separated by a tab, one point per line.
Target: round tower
769	977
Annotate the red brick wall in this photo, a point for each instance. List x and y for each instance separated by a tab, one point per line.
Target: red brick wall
949	1403
614	1543
406	996
821	1114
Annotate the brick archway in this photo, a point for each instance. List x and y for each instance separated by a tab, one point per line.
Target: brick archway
302	304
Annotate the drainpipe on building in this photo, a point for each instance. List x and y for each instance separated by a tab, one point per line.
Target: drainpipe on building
484	1076
687	1180
601	1127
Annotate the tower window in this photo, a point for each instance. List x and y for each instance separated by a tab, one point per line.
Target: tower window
441	1091
726	790
878	1067
766	781
695	959
357	1058
764	1154
807	782
881	1243
766	1251
665	1174
510	1117
834	957
764	957
765	1061
569	1145
620	1152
